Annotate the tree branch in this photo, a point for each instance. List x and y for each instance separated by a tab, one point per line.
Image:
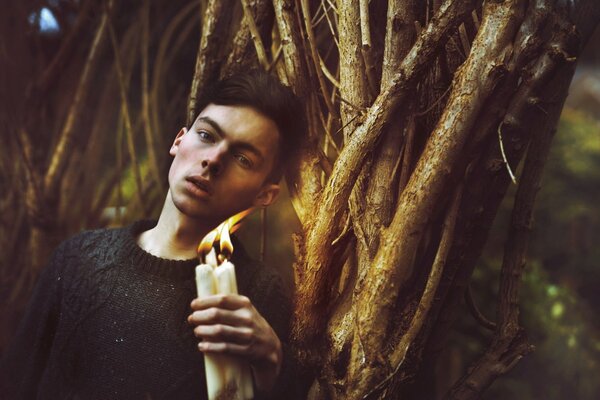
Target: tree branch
216	21
65	142
401	348
316	277
255	35
150	133
243	53
394	262
315	57
509	344
126	116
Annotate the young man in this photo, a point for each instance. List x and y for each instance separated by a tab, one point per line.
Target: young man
115	314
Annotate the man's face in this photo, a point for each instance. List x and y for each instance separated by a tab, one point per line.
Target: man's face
222	163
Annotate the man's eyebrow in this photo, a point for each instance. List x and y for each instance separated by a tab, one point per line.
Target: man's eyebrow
220	132
212	123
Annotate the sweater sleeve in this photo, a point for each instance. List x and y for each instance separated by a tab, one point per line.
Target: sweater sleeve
25	359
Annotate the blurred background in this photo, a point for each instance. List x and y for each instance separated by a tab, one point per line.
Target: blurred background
155	48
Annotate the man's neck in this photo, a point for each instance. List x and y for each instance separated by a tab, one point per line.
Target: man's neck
175	236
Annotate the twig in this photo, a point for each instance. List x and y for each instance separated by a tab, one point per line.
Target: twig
126	116
263	232
407	155
60	155
478	315
316	19
328	74
148	129
276	58
343	100
120	165
366	46
256	39
331	29
510	173
421	113
344	231
162	60
328	136
464	38
315	56
333	7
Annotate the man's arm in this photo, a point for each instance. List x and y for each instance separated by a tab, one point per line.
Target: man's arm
25	359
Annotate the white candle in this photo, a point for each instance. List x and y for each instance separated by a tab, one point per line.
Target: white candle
226	376
206	286
237	372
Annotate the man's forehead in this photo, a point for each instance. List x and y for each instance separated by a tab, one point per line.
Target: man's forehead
239	122
244	126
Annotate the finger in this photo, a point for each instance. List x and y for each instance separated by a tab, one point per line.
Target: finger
212	316
224	348
224	333
226	301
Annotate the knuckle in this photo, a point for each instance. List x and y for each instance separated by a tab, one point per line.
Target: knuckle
214	313
219	330
248	335
222	300
247	318
245	301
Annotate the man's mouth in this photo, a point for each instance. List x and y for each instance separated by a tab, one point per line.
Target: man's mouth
201	183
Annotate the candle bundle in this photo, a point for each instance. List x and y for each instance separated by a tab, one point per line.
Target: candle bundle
226	377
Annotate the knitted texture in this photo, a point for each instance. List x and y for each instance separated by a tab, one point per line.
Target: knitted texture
107	320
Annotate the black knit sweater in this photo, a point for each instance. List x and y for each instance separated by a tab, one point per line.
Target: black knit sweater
108	321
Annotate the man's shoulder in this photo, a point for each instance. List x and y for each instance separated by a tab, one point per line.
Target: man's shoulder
89	241
89	250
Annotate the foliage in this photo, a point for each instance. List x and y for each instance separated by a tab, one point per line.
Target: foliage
557	300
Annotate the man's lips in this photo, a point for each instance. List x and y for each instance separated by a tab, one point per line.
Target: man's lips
201	183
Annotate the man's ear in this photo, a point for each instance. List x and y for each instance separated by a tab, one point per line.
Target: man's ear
175	145
267	195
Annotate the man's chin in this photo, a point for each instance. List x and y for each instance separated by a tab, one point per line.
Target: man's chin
194	211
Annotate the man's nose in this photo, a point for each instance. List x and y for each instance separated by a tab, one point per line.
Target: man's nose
213	161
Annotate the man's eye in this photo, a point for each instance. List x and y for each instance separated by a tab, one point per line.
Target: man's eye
206	136
243	160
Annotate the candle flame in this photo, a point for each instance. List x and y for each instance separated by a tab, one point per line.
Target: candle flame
225	242
222	234
207	243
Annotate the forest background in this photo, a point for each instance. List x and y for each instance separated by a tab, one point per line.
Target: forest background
136	102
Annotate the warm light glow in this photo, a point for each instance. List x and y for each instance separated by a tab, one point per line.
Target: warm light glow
225	243
233	221
221	234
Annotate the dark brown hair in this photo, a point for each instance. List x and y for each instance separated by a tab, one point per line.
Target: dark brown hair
264	93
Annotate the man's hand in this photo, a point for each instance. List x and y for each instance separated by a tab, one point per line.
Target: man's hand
229	324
